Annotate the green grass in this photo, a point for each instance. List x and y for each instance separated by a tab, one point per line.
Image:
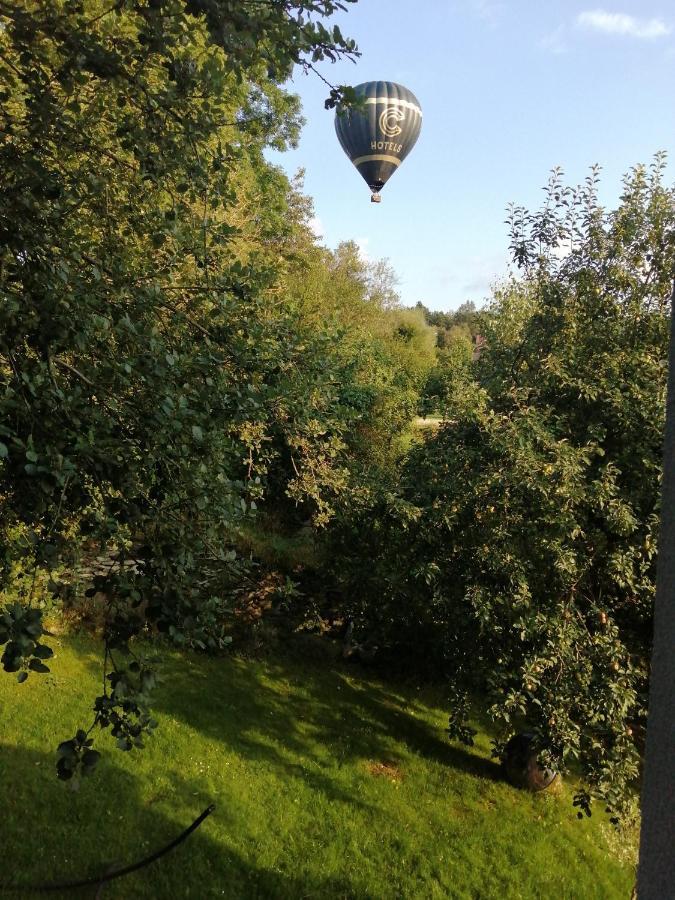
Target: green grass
432	422
327	783
276	548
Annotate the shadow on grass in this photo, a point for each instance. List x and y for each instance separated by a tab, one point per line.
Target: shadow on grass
300	722
285	712
52	835
304	718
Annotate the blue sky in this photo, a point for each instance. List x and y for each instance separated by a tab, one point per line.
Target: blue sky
509	90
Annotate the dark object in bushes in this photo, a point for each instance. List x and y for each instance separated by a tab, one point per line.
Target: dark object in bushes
351	650
521	766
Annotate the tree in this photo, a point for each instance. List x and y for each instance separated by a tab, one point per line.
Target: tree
450	326
140	236
519	556
453	355
381	350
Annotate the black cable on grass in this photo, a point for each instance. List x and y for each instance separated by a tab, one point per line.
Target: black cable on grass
108	876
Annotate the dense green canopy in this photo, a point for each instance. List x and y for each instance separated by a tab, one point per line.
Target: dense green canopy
178	354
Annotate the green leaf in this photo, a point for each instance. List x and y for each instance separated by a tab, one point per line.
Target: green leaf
90	759
42	651
66	749
11	659
35	665
65	768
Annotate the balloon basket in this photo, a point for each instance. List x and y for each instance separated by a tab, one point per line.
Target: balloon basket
375	197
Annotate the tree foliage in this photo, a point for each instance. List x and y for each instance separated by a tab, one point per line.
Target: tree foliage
146	358
519	556
177	351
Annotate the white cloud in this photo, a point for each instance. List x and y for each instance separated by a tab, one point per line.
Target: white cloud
488	10
623	24
362	244
562	249
316	227
556	41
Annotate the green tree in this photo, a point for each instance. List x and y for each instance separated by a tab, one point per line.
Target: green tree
140	236
519	557
453	355
381	350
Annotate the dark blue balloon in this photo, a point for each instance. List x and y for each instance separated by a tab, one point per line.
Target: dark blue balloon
378	138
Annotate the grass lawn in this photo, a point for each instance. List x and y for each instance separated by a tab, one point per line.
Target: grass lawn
431	422
327	784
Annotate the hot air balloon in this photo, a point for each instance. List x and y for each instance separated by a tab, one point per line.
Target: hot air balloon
378	137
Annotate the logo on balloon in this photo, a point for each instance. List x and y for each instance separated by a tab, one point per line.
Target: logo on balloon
389	118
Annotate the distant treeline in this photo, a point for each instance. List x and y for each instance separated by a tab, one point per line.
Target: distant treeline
460	324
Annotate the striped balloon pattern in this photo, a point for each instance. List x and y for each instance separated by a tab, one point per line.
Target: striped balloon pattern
378	137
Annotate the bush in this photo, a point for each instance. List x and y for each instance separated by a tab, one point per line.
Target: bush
518	558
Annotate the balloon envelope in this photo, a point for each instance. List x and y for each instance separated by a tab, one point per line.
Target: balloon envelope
379	137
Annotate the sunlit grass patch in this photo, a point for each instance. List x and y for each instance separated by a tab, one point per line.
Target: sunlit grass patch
327	783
